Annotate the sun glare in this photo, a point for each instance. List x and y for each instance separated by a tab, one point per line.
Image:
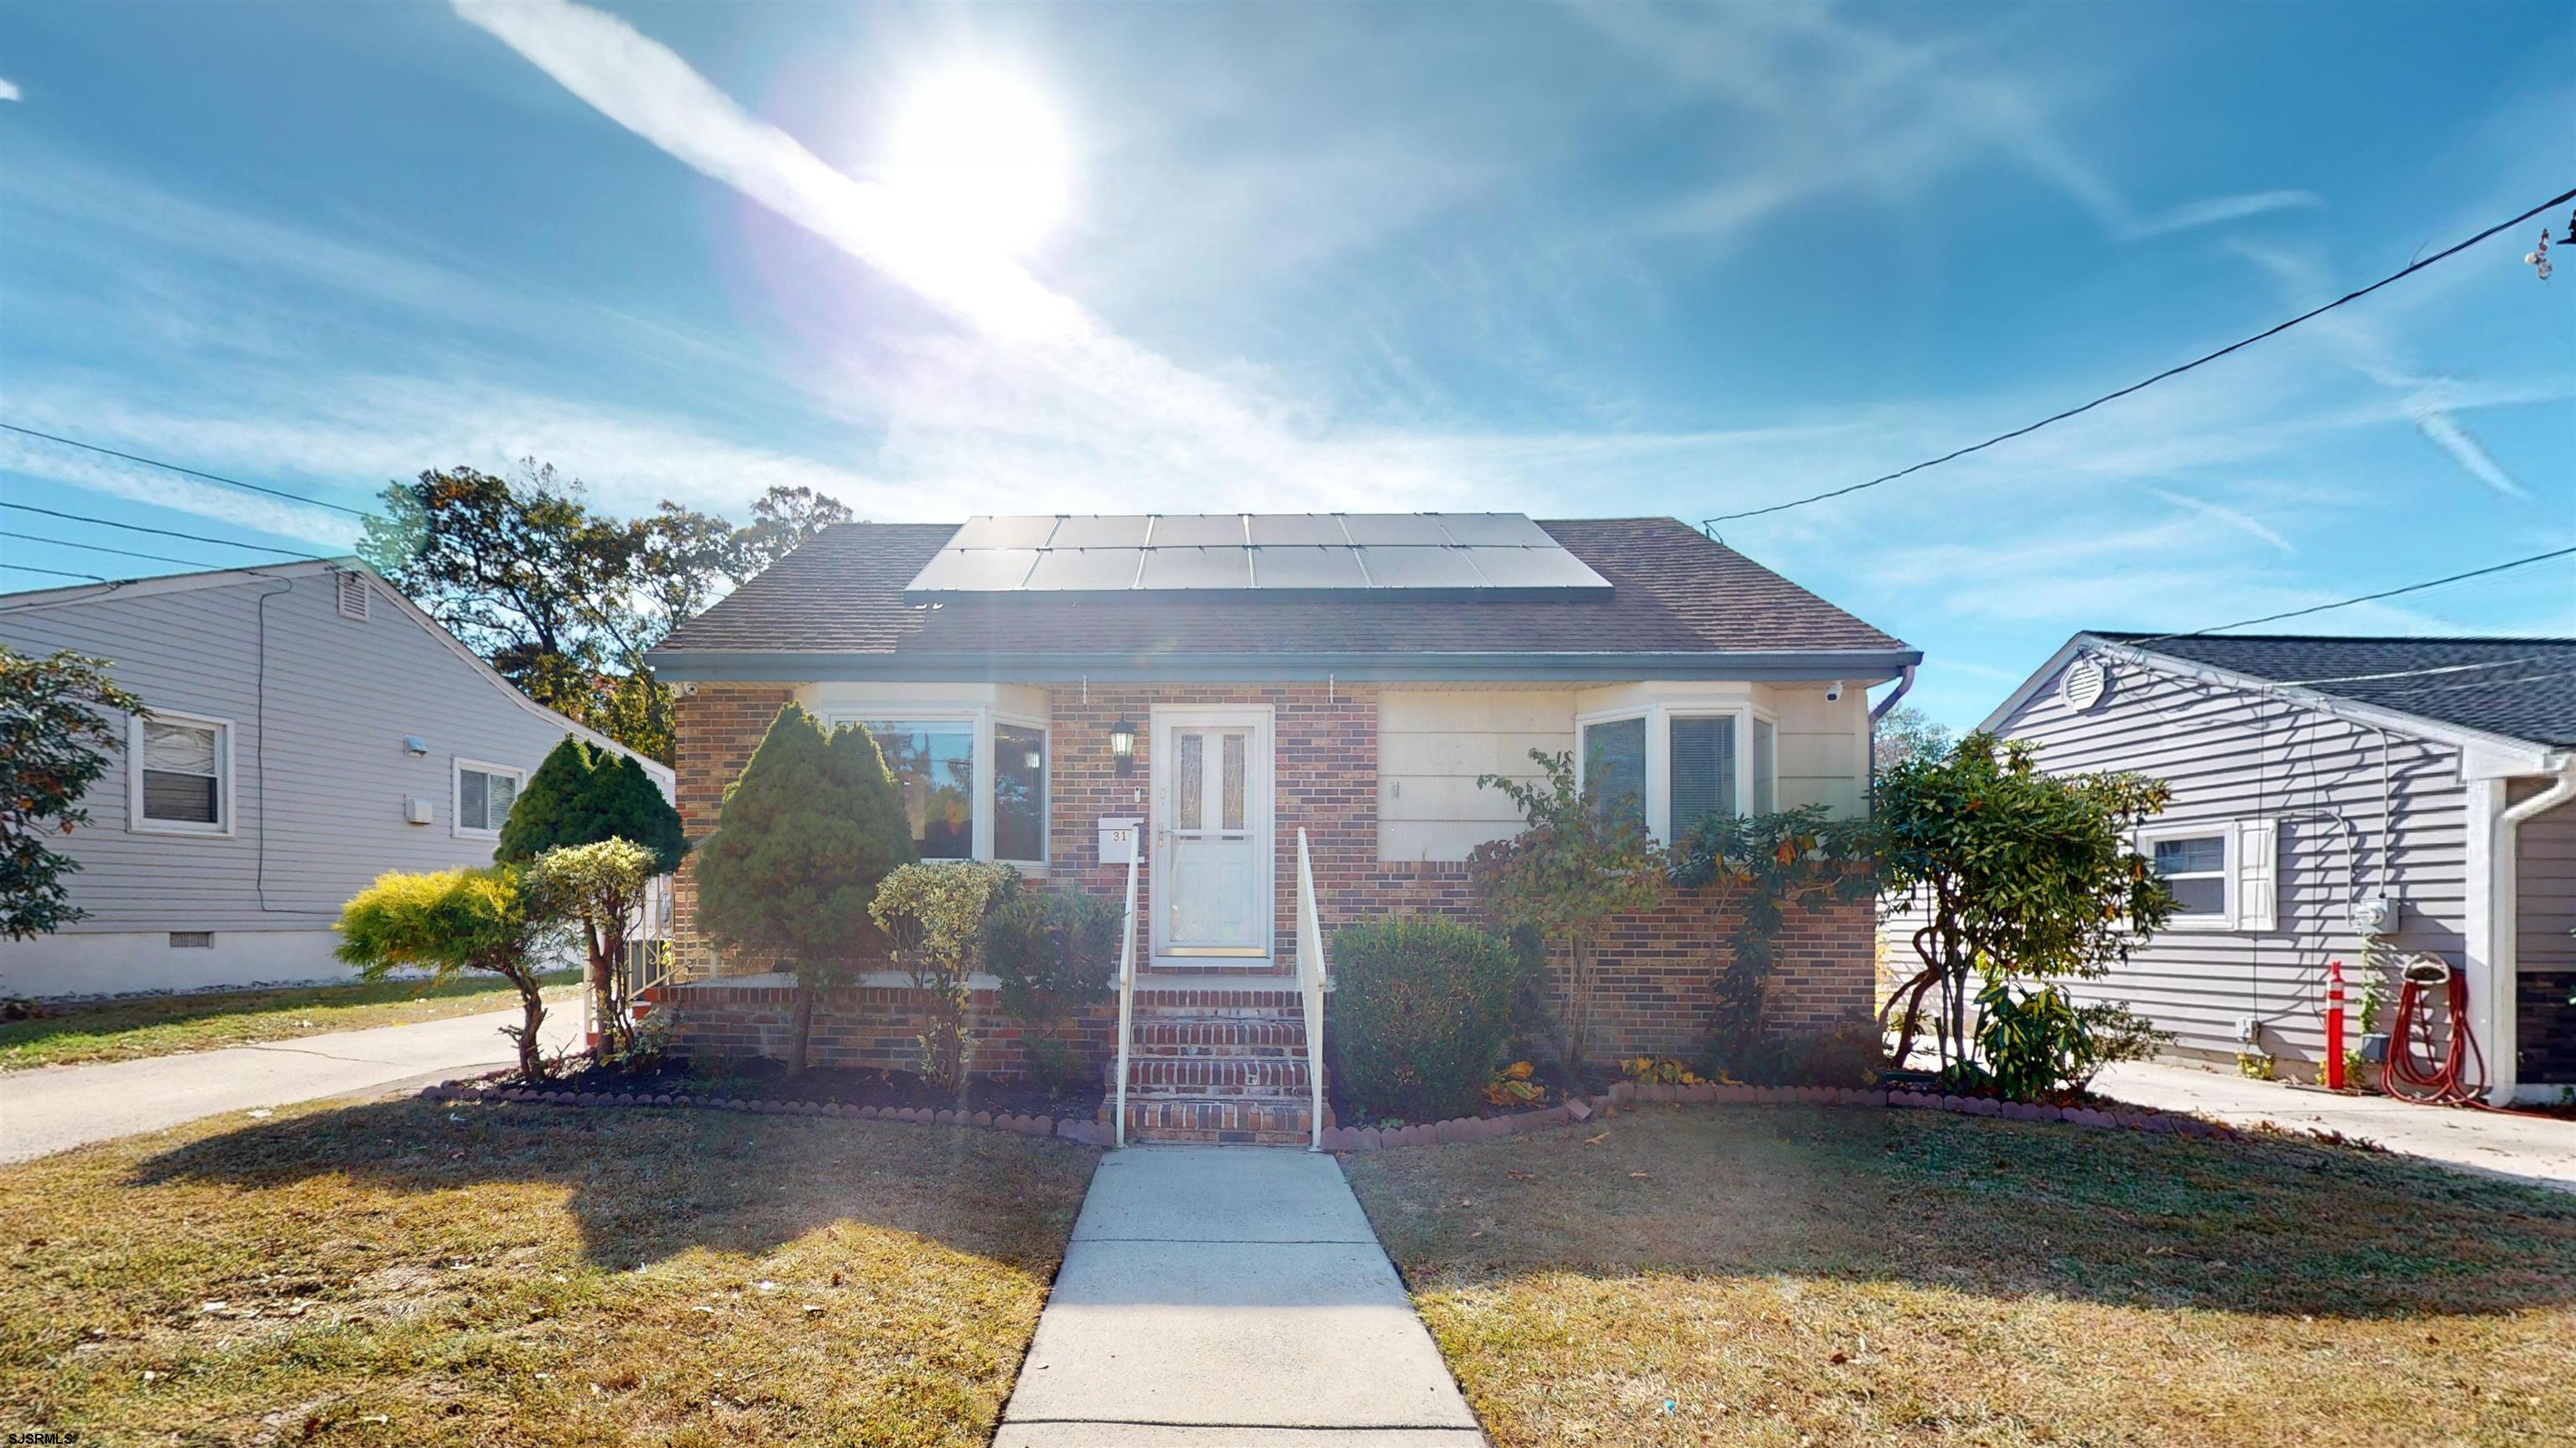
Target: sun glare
984	158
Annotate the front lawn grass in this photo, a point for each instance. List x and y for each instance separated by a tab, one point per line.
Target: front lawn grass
140	1026
414	1273
1779	1276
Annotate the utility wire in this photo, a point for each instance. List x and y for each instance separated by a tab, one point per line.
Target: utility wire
56	572
2349	602
167	532
120	552
2409	269
190	472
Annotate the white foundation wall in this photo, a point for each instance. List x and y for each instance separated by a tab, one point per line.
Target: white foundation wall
136	962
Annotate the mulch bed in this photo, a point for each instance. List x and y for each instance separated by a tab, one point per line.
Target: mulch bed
830	1085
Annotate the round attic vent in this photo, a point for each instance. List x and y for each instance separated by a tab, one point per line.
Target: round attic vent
2084	685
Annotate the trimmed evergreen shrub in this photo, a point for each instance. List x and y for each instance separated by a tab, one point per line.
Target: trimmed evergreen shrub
581	796
1056	954
1421	1009
808	832
451	920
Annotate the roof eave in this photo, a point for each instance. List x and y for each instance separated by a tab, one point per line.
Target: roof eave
1857	666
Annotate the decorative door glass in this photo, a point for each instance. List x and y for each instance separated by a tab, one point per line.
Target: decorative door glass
1212	897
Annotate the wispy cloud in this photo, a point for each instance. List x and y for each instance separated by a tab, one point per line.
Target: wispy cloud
2233	518
9	91
2219	209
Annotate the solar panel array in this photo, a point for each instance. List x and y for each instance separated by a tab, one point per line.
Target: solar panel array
1390	555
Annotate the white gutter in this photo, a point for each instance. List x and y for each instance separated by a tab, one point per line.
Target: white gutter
2504	926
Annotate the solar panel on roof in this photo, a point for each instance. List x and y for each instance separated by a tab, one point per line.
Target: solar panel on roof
1299	565
1417	567
1085	569
1004	532
1101	530
1387	555
976	570
1493	529
1269	528
1197	568
1369	528
1211	530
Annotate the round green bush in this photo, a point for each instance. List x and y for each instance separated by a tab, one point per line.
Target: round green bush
1421	1008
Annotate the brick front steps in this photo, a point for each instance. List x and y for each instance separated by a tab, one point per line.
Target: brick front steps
1184	1121
1219	1066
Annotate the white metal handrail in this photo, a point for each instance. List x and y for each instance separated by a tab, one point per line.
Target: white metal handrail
1313	979
1126	1003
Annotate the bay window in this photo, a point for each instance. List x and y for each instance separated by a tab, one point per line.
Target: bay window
974	785
1667	766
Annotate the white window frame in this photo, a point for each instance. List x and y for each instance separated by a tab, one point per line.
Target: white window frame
1659	717
980	720
2227	832
227	807
457	765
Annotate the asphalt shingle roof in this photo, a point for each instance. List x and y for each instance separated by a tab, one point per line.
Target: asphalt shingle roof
1672	589
2519	688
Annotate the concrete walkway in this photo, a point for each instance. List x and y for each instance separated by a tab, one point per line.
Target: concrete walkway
54	1108
2533	1149
1230	1296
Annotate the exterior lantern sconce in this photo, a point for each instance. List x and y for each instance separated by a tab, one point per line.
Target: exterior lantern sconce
1122	746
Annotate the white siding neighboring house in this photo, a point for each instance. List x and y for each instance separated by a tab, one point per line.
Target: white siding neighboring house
2317	783
311	729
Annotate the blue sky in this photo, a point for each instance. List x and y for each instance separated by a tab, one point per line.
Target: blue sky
1564	260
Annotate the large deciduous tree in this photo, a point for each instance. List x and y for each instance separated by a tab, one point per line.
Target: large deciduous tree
807	833
56	739
564	600
2019	875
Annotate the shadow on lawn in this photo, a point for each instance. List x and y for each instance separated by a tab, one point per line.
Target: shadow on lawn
2264	1225
647	1185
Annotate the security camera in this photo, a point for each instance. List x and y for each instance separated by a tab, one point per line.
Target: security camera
1834	692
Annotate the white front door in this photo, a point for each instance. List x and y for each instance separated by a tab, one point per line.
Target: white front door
1212	855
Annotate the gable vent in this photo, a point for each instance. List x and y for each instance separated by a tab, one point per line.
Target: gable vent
2084	685
354	594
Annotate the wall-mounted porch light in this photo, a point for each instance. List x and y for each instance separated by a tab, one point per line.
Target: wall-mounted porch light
1122	745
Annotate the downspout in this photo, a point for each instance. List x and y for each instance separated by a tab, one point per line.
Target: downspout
2504	930
1879	710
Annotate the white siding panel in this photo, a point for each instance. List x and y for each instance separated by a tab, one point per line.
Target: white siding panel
1432	747
2357	812
2545	888
320	713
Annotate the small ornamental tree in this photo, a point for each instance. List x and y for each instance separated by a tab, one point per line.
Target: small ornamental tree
1055	953
807	833
55	742
1574	868
579	797
2022	876
596	888
934	913
451	920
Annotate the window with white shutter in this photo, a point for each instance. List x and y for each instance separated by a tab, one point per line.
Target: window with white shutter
2223	874
2257	875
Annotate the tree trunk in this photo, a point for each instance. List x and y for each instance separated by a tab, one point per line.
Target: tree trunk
532	1004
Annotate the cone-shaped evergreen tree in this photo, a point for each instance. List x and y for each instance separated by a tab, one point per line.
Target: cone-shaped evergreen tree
581	796
808	832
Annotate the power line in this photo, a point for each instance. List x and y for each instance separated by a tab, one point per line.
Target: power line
190	472
166	532
2349	602
2407	270
56	572
103	548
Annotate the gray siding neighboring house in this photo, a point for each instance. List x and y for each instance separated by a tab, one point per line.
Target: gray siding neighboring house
2312	777
319	731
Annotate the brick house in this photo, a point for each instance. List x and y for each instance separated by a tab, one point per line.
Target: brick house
1053	692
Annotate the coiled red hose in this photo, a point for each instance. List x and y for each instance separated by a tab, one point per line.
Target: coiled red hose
2412	1072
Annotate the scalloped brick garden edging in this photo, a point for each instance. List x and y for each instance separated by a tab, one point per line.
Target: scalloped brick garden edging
1088	1133
1488	1128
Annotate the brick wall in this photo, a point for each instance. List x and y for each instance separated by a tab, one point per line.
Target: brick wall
867	1027
1655	969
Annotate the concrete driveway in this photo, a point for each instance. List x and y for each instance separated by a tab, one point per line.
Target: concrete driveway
2534	1149
55	1108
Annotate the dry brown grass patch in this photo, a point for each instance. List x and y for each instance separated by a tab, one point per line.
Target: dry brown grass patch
409	1273
1786	1276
